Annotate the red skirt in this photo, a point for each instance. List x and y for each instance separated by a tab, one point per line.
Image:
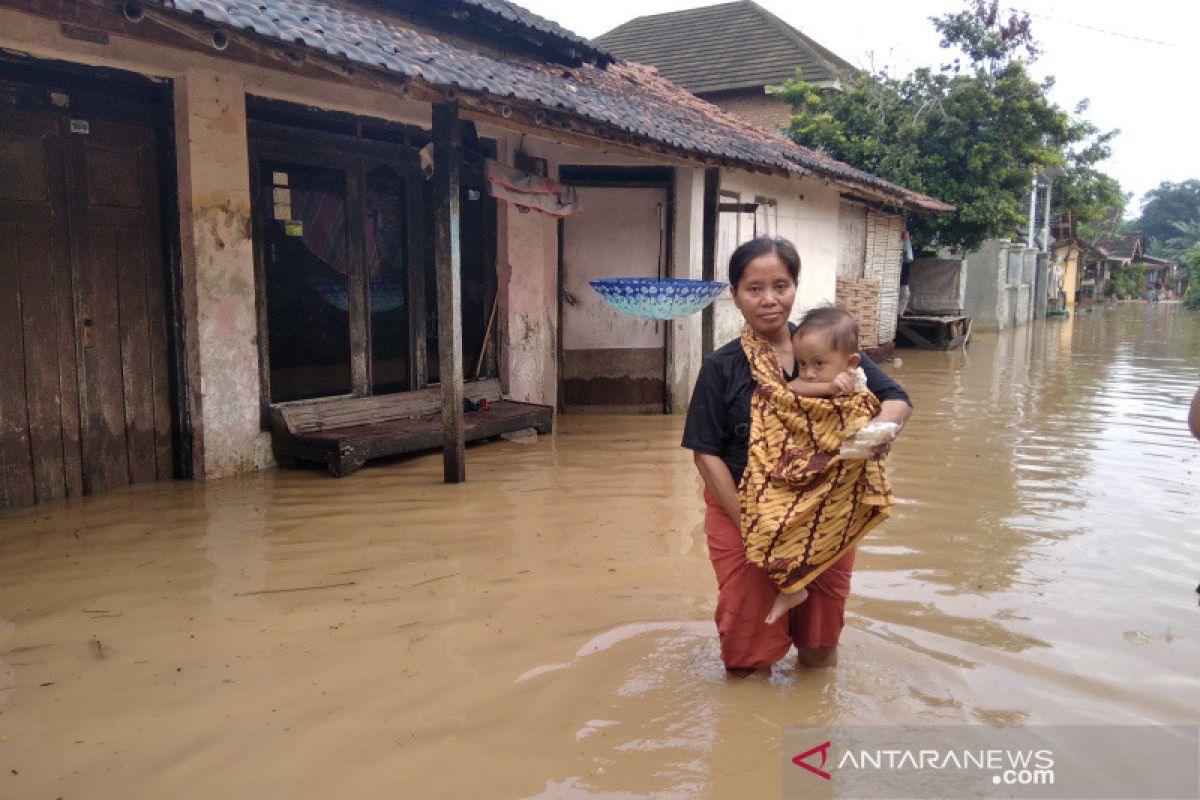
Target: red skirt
745	595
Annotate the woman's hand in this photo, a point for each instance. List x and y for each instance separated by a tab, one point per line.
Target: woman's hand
896	411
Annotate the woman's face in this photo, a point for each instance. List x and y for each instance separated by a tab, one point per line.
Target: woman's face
765	294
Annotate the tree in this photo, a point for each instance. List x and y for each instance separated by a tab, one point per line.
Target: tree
1167	212
967	133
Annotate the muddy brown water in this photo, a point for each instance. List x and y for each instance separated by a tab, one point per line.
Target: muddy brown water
545	629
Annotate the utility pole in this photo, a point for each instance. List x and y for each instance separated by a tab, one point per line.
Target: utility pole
1032	207
1046	215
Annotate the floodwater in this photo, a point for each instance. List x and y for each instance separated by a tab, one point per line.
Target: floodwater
545	629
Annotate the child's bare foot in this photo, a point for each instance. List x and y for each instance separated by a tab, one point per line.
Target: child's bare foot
785	603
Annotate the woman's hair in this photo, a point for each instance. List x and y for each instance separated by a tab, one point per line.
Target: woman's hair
763	245
837	323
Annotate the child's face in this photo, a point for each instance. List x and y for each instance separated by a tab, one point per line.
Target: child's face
816	359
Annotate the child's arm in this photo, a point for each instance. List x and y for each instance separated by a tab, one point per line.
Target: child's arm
842	384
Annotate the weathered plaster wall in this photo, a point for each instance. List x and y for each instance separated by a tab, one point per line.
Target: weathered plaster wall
529	334
807	215
218	269
1000	280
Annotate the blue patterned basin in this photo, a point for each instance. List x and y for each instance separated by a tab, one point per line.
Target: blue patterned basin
657	298
384	296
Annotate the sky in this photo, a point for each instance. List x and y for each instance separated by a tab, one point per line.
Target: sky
1132	60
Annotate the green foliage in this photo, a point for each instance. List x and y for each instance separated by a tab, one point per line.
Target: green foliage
1171	217
966	134
1130	282
1190	258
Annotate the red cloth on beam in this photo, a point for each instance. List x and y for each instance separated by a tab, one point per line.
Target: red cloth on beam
531	191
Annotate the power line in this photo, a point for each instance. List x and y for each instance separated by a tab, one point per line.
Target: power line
1093	28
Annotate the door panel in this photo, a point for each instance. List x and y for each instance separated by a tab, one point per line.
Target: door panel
84	388
119	269
39	424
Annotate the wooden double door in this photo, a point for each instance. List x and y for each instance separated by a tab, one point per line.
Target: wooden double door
85	397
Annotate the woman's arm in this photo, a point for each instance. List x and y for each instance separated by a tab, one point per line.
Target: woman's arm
719	482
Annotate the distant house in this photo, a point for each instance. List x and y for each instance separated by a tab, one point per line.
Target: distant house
1108	255
728	54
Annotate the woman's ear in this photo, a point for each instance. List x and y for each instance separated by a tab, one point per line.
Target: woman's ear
854	361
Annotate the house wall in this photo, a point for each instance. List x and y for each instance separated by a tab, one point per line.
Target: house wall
1000	285
753	105
218	292
807	214
217	266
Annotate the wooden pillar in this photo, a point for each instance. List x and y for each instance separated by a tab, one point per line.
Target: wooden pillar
447	163
708	254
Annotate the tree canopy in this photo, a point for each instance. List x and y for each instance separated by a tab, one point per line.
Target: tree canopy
969	133
1171	217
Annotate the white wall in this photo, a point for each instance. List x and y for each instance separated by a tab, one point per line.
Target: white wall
806	214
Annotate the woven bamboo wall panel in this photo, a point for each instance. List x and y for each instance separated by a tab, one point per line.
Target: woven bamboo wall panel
860	296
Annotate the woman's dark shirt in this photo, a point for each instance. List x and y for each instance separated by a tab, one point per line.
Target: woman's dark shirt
718	419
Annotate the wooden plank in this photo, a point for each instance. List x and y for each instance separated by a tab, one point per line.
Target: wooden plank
134	334
708	254
36	247
16	466
106	461
66	337
447	163
416	261
155	287
357	288
380	408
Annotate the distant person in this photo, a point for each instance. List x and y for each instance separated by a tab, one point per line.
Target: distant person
762	277
807	500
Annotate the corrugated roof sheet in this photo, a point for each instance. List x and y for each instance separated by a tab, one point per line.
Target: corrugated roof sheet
629	97
729	46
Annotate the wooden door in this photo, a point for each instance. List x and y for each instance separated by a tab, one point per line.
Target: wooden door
84	391
124	389
39	399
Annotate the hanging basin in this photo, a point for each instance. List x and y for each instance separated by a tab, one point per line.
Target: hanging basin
385	296
657	298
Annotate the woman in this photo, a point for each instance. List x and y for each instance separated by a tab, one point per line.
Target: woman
762	278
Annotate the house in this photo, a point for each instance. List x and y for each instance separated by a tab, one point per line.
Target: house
728	54
211	211
1109	255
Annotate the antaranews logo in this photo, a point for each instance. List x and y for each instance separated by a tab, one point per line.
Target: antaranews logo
1026	762
823	749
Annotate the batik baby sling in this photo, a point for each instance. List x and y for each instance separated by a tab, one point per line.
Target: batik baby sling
803	505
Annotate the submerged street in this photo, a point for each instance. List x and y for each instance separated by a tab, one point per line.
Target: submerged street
545	629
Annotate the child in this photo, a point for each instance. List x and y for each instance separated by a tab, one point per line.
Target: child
806	501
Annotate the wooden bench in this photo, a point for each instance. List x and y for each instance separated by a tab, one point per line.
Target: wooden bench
345	433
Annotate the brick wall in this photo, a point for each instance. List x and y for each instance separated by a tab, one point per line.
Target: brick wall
885	253
753	105
860	296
